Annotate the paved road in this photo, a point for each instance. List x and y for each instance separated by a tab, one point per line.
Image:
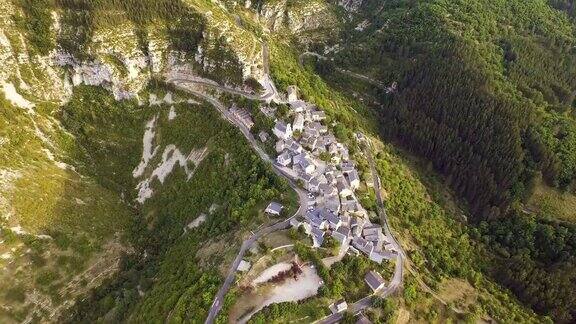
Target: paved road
362	77
183	78
270	92
247	244
399	270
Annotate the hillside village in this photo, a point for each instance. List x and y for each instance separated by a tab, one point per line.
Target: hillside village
309	153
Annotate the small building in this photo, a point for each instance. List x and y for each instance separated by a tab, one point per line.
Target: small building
326	189
363	245
307	166
306	178
372	238
310	141
376	257
332	203
321	129
293	146
292	93
313	185
280	146
274	208
282	130
330	178
332	148
344	154
298	124
243	266
307	228
341	234
317	237
374	280
314	219
339	306
298	157
263	136
358	226
371	230
350	206
284	159
331	139
311	131
295	223
297	105
343	188
345	220
354	180
347	167
318	115
333	220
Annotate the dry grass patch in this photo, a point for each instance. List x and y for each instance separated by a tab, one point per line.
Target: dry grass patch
458	292
403	316
551	201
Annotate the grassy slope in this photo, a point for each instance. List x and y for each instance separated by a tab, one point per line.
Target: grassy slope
104	150
79	214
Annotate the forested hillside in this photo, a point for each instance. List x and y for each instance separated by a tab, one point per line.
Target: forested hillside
174	272
485	91
105	169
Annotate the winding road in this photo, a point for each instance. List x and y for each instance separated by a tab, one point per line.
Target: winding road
269	94
355	75
186	83
248	243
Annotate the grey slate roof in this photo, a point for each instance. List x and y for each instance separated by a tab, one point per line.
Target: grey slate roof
371	229
333	220
274	208
374	280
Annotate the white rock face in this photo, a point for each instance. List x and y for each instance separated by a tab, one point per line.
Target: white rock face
172	113
196	222
170	158
119	65
148	150
351	5
15	98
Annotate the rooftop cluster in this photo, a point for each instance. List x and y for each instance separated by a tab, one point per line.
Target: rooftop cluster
309	152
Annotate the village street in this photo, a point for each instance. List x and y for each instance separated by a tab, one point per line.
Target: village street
188	84
396	281
248	243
